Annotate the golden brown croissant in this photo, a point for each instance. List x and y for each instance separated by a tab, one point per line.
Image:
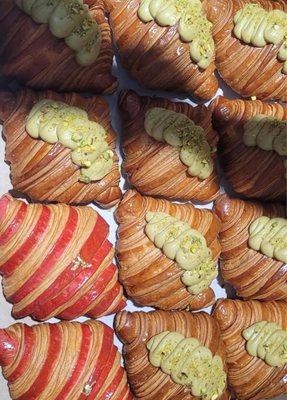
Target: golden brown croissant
68	360
254	275
155	55
45	171
249	70
251	171
56	261
148	275
154	167
30	53
136	329
250	377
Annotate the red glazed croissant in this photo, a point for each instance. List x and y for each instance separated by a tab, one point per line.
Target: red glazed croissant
155	167
148	275
254	275
34	56
249	70
251	171
45	171
56	261
250	377
68	360
155	55
136	329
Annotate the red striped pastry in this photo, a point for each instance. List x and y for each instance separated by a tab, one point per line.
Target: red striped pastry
251	171
154	167
250	377
68	360
56	261
149	277
34	56
155	55
254	275
45	171
136	329
249	70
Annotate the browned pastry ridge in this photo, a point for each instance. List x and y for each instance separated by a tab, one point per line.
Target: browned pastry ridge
254	275
249	70
149	277
44	171
135	329
251	171
250	377
155	168
32	55
155	55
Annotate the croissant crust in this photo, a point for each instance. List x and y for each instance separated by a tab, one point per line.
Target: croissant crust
32	55
44	171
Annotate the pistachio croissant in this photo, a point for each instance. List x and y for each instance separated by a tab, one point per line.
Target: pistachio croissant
36	50
155	167
154	52
56	261
250	377
248	142
68	360
45	168
150	273
253	274
138	330
250	67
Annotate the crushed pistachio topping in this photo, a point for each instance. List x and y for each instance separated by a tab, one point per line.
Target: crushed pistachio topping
69	20
267	341
258	27
266	132
78	262
186	246
181	132
188	363
269	235
193	25
55	121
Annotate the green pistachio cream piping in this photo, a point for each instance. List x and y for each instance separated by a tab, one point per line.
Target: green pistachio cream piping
268	341
179	131
269	235
188	363
69	20
186	246
55	121
193	25
258	27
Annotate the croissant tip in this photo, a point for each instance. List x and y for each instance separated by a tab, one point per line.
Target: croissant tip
129	103
7	100
4	202
8	347
221	206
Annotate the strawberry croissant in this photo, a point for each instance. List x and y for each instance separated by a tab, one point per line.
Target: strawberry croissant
56	261
64	361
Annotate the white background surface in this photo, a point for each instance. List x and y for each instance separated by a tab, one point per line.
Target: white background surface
125	82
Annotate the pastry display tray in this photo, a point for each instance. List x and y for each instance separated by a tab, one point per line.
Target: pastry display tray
125	83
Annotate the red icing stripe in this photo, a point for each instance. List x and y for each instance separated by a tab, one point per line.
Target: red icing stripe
15	223
111	389
36	235
97	236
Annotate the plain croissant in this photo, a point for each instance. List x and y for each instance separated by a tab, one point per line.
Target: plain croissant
30	53
56	261
45	171
68	360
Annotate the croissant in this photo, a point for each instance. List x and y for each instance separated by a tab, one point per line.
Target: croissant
249	67
136	330
156	55
68	360
250	169
56	261
249	376
35	53
253	274
144	154
36	163
150	276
